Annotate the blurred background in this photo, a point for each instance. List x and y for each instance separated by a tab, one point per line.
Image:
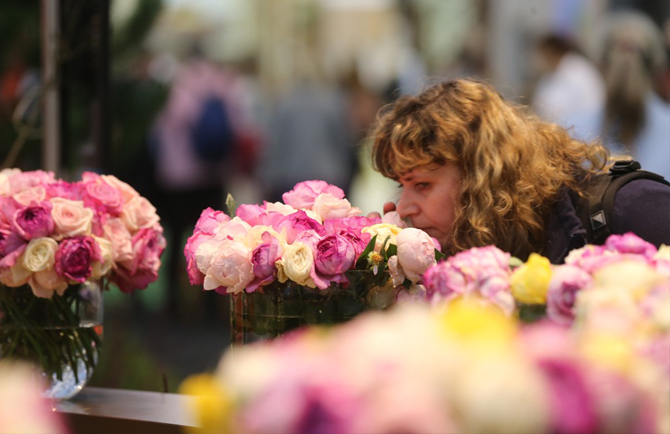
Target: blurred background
189	100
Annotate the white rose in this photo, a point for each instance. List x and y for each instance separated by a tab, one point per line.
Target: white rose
103	267
328	206
71	217
298	262
139	213
39	254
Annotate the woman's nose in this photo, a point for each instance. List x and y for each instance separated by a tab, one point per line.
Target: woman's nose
405	206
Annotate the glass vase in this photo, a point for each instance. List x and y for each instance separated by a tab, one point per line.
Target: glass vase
273	310
62	335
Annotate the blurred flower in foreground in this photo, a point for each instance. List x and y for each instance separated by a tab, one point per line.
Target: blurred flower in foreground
23	409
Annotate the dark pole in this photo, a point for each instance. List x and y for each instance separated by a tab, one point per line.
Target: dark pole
101	122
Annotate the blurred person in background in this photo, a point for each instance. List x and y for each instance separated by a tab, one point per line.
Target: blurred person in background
309	137
635	120
570	90
203	136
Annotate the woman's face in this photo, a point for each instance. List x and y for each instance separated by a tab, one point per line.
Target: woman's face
428	198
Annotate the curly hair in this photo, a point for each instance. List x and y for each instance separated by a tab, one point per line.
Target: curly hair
513	165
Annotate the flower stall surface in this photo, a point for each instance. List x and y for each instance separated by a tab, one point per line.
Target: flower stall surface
310	260
61	243
463	362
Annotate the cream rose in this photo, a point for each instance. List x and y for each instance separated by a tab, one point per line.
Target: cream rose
15	276
139	213
34	194
71	217
328	206
383	231
44	283
103	267
298	263
279	207
39	254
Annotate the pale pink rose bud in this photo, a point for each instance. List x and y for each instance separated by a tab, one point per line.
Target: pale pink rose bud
416	252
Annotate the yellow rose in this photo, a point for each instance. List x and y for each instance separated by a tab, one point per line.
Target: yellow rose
39	254
530	281
212	406
298	262
383	231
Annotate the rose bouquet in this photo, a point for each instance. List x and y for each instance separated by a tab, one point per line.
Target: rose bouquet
311	259
59	241
469	369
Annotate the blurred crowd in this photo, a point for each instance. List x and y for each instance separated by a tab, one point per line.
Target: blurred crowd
189	128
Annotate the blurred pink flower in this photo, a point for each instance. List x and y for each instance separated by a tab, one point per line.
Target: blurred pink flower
566	282
305	193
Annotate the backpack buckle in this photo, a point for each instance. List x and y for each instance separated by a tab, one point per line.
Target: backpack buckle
624	166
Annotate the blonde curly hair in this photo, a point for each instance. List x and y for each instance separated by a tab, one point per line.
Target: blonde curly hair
513	165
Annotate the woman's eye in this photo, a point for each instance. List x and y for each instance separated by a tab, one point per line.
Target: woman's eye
421	185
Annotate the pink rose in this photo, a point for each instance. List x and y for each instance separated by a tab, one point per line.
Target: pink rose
74	257
355	223
263	260
25	180
304	193
252	214
566	282
116	232
334	255
296	223
33	221
102	195
209	220
328	206
195	277
65	190
127	192
357	239
148	245
139	213
230	267
9	242
416	252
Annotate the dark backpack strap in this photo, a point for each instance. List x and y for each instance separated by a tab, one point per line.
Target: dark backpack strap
597	216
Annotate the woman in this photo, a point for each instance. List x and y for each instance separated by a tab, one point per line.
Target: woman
476	170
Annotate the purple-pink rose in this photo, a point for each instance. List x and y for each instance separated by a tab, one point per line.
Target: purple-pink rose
566	282
74	257
297	223
630	243
195	277
572	406
263	260
9	242
33	221
304	193
334	255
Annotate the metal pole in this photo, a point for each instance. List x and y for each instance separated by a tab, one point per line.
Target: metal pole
50	37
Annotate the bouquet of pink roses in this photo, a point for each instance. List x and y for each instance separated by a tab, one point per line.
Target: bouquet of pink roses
315	239
55	238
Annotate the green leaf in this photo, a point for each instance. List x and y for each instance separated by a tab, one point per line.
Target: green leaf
391	251
439	255
515	262
362	262
231	205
